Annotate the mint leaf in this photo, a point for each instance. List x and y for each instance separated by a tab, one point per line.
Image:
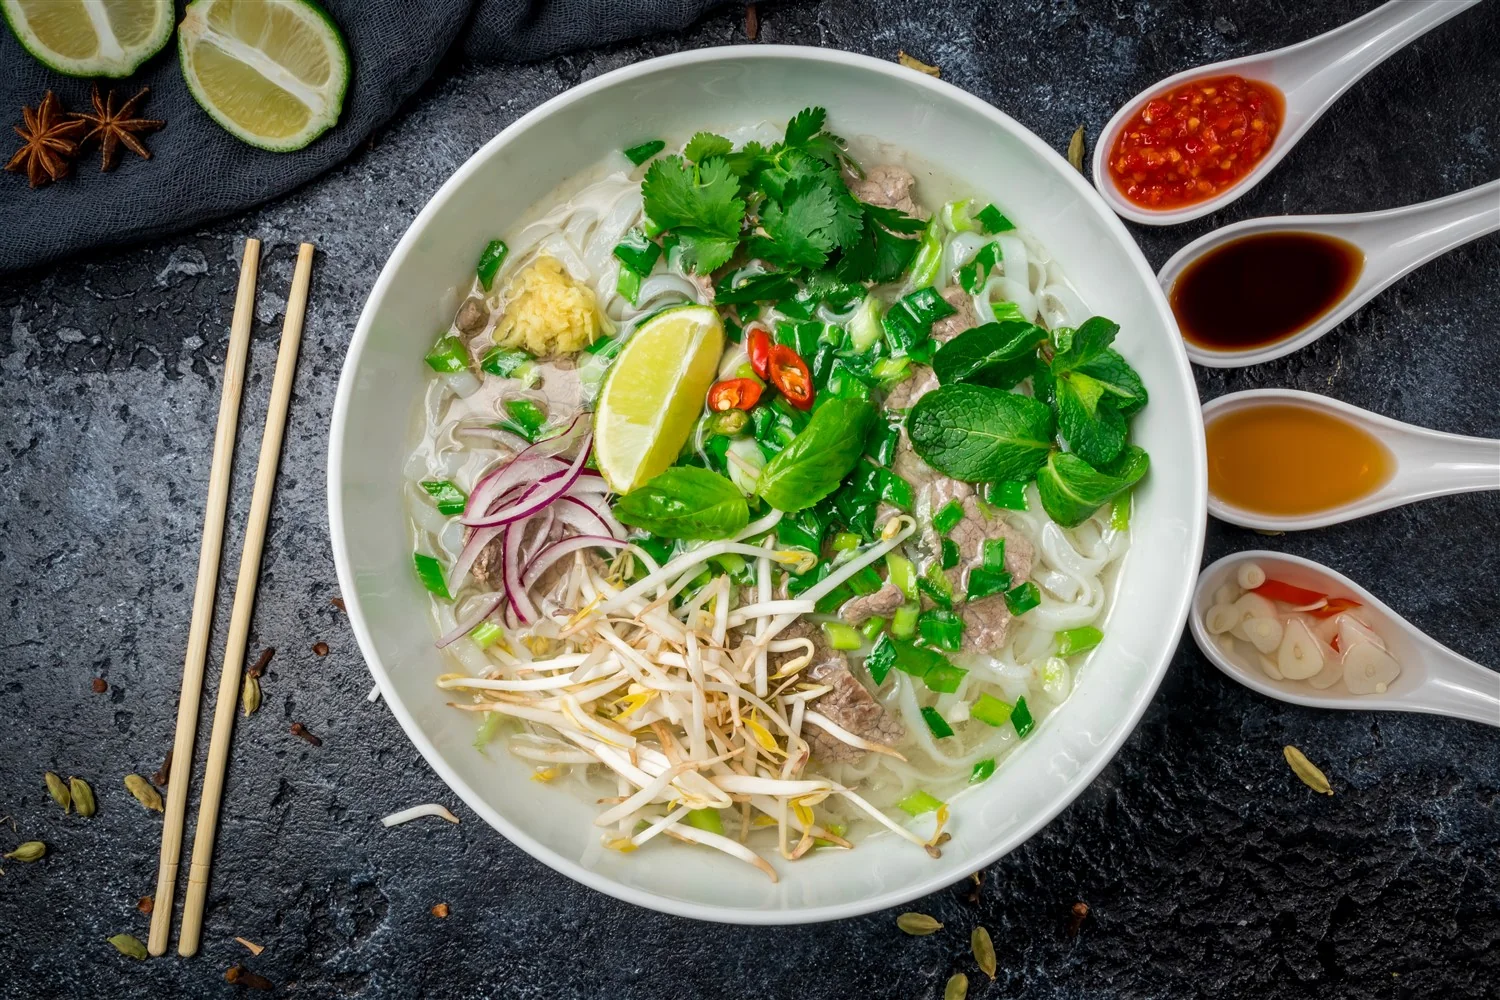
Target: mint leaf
705	197
816	461
1089	422
1072	489
1120	382
998	355
1080	346
705	144
977	434
685	502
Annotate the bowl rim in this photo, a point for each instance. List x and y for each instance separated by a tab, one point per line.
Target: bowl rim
542	852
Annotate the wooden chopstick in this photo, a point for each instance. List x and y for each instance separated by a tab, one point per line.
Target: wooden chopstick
244	604
203	599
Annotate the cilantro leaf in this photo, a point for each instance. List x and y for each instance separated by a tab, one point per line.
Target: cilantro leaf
893	219
848	220
804	125
797	230
701	202
705	144
706	252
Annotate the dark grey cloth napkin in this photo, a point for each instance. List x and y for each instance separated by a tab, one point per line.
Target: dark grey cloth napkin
200	172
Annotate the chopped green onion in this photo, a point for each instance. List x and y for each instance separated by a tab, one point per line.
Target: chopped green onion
735	565
991	221
845	541
929	258
917	660
841	636
972	276
947	517
908	324
866	581
944	678
487	730
949	553
889	371
990	710
865	330
449	498
640	154
1023	598
942	629
935	584
994	555
1078	640
430	572
705	819
525	417
490	260
895	491
984	583
919	803
882	443
448	355
829	603
882	657
485	633
803	529
872	627
900	571
528	374
1010	494
936	722
957	217
503	361
904	622
1021	716
628	284
982	769
1119	514
636	253
1005	311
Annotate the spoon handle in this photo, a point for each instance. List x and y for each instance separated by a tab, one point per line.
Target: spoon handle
1334	62
1408	238
1451	463
1458	686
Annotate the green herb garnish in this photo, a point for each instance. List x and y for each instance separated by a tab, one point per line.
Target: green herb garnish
685	502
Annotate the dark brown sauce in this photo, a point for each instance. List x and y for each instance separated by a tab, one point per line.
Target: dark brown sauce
1261	289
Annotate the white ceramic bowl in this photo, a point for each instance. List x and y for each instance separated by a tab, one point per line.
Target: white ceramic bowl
416	294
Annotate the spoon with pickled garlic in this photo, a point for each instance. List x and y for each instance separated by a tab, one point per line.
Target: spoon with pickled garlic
1298	631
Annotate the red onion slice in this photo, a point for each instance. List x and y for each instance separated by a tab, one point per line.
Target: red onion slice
478	539
546	490
488	489
600	510
486	605
520	601
566	547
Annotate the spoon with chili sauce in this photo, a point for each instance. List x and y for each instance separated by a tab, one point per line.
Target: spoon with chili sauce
1432	678
1196	141
1263	288
1283	460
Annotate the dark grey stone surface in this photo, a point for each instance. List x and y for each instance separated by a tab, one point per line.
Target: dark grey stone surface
1208	868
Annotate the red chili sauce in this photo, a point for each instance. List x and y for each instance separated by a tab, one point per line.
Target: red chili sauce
1195	140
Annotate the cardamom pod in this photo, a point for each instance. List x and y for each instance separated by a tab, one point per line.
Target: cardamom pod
1075	150
1307	771
58	790
83	796
129	945
984	951
32	850
143	792
957	988
918	924
250	694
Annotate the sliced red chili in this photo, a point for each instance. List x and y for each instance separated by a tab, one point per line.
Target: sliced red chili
733	394
1335	605
1334	642
1276	590
789	374
758	345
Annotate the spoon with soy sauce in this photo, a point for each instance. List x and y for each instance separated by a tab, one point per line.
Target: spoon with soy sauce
1263	288
1429	677
1283	460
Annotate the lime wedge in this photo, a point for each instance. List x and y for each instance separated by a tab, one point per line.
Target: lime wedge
272	72
654	394
90	37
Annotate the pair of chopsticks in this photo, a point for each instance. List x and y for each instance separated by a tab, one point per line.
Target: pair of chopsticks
203	603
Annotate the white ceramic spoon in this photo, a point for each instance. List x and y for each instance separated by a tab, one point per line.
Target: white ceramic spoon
1427	463
1311	75
1394	242
1433	679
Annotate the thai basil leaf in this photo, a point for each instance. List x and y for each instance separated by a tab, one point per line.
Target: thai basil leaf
1071	489
817	459
998	355
976	434
1089	421
1080	346
685	502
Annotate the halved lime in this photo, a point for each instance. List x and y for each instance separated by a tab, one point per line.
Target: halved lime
90	37
654	394
272	72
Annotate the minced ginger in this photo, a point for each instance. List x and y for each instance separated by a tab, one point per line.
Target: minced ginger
547	313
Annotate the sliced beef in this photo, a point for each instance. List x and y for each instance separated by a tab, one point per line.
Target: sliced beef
883	603
986	621
963	318
472	316
489	570
888	186
849	705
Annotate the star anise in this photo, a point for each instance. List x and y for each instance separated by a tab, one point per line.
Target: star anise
113	128
49	142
